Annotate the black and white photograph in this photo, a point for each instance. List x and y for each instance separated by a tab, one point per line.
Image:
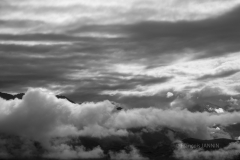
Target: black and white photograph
120	79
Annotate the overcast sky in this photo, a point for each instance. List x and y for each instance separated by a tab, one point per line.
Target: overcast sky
135	52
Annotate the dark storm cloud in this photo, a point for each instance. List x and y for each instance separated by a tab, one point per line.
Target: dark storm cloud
39	65
213	36
149	39
25	71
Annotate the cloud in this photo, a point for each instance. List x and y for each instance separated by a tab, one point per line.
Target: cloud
138	62
132	155
220	75
209	91
64	151
169	94
185	76
182	102
42	117
62	118
234	102
57	15
200	36
219	110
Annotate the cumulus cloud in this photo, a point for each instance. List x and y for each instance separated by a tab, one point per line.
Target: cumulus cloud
40	115
169	94
219	110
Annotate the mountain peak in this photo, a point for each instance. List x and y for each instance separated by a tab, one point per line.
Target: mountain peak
8	96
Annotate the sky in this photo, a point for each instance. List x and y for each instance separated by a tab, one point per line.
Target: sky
120	50
161	60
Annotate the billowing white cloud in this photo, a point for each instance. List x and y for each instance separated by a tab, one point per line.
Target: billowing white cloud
219	110
42	117
169	94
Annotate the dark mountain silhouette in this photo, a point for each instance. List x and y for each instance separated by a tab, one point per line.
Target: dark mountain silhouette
233	129
8	96
63	97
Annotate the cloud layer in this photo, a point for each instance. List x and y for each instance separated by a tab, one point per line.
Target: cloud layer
42	117
177	46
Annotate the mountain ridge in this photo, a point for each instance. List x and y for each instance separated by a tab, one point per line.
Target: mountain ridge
8	96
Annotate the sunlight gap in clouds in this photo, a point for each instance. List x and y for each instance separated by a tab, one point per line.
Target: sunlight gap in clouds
185	75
